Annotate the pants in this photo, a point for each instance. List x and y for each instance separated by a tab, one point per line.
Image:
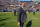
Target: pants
21	24
14	13
29	11
33	13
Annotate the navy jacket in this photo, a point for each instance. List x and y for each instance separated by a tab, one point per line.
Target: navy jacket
14	11
22	15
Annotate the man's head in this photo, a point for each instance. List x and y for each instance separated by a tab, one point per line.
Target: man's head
23	4
14	6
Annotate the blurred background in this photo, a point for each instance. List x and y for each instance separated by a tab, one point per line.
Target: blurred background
8	5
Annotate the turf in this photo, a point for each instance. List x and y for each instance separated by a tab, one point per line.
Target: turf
7	19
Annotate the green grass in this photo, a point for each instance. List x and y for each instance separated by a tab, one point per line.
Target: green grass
7	19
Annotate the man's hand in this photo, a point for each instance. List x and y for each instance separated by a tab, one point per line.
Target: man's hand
18	23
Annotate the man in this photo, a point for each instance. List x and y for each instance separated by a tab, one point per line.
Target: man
22	15
29	11
14	11
34	10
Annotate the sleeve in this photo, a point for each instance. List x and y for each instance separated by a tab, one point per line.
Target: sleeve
19	14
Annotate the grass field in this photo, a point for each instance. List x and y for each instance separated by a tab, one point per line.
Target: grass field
7	19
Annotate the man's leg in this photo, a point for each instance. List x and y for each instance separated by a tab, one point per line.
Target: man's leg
33	13
14	14
21	24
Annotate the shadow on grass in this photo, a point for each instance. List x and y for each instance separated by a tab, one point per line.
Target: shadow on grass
2	24
29	24
2	14
4	19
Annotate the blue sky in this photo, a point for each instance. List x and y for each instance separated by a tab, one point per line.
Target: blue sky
25	0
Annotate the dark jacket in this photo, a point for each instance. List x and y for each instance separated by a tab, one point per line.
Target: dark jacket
22	15
14	11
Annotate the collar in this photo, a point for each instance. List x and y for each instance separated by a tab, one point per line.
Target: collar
21	6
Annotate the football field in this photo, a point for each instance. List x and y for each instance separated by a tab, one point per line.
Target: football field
7	19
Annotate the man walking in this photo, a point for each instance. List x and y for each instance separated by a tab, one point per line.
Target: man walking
22	15
14	11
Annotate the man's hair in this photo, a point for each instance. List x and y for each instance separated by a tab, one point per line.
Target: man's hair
22	3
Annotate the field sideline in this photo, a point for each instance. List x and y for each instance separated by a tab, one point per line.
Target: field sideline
7	19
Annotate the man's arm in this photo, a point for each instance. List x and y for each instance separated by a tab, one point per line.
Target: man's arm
19	14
